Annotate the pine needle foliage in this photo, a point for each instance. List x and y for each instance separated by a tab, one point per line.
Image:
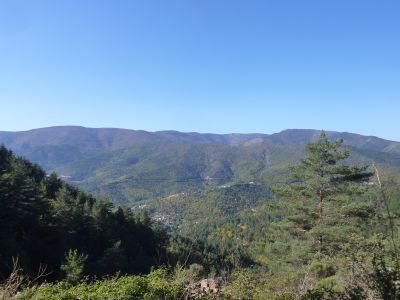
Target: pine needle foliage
323	176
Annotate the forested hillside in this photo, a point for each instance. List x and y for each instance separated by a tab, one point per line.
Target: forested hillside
131	166
327	229
42	218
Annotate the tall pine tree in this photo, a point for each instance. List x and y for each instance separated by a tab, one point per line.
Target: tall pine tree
321	178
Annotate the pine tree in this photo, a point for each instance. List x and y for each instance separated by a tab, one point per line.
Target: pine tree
73	266
321	177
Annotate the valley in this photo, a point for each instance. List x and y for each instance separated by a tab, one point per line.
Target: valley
130	166
273	212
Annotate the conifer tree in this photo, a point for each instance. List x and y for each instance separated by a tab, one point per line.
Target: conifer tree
322	176
73	266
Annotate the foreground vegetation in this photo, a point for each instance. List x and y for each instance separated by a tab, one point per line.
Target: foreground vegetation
155	285
330	231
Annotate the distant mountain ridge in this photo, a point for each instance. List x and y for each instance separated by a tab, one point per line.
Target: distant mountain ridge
115	138
132	165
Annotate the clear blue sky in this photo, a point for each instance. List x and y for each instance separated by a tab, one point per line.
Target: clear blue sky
201	65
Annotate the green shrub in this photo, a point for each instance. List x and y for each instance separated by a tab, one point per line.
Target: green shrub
322	269
326	288
153	286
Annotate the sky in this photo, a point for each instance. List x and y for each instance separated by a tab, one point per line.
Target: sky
201	65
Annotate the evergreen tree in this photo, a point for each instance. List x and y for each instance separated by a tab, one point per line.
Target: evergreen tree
73	266
322	177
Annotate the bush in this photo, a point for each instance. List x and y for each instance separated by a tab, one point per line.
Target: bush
322	269
153	286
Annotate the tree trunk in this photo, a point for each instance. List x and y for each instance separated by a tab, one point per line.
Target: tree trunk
320	213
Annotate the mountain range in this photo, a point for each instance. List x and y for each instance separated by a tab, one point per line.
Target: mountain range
135	165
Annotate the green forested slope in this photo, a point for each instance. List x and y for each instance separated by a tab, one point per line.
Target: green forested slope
41	218
130	166
297	246
325	230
